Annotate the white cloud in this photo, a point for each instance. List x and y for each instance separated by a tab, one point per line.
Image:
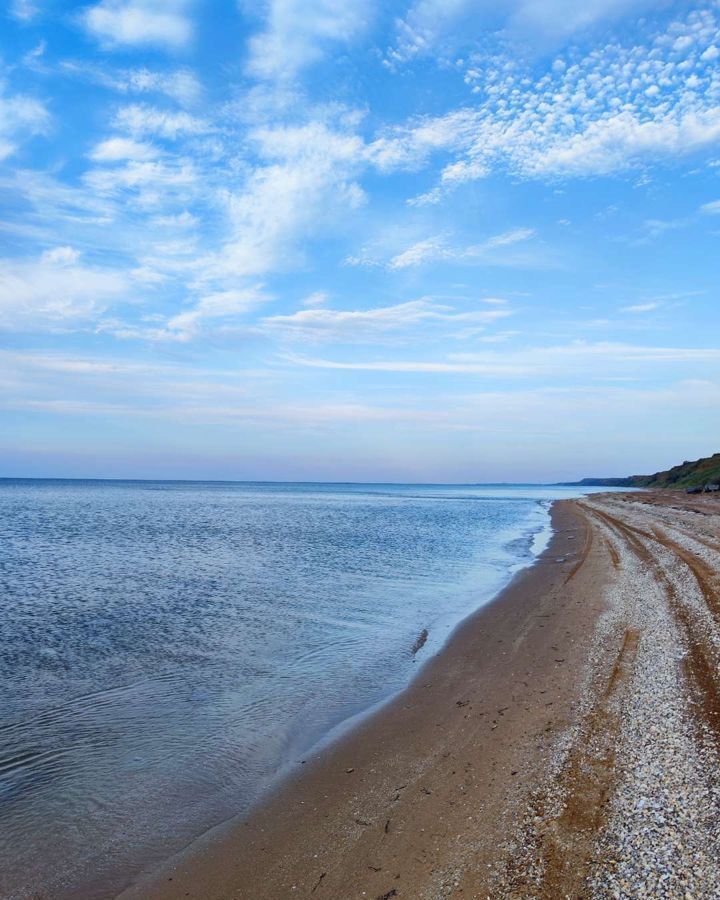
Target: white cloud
181	85
63	256
655	228
640	308
712	208
140	22
566	362
298	32
56	209
304	179
317	298
119	148
34	58
83	365
139	119
360	325
437	248
55	292
410	146
423	366
426	24
431	249
615	108
152	182
20	117
181	220
218	306
514	236
24	10
618	142
148	275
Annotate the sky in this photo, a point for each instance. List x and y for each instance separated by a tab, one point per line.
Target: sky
423	240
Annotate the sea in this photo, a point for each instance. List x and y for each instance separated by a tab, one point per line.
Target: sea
170	650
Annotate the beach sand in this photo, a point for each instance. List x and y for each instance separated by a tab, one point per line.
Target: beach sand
564	743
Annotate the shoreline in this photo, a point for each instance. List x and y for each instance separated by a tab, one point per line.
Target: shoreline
425	640
557	557
564	742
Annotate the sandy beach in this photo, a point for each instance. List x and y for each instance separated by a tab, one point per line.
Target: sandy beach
563	743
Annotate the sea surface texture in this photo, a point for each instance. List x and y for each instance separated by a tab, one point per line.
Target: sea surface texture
169	649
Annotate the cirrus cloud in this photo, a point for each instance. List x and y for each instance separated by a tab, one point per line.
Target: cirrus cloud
362	325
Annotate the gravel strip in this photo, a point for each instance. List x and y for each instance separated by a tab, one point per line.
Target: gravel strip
660	828
663	836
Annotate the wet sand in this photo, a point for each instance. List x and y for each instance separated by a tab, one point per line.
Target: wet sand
564	742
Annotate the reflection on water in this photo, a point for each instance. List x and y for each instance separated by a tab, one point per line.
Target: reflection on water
167	648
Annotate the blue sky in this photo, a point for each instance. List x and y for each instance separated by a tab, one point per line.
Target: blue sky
347	240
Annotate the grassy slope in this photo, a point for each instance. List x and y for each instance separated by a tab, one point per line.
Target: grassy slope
689	474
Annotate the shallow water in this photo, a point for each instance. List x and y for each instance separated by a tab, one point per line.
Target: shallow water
168	648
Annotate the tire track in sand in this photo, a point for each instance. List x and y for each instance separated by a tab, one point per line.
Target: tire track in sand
565	842
587	547
700	664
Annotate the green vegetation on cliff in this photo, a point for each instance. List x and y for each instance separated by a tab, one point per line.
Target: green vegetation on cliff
689	474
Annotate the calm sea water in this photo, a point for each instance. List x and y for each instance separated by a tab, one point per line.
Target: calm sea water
167	649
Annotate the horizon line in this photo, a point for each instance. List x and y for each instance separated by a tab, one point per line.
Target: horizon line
282	481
